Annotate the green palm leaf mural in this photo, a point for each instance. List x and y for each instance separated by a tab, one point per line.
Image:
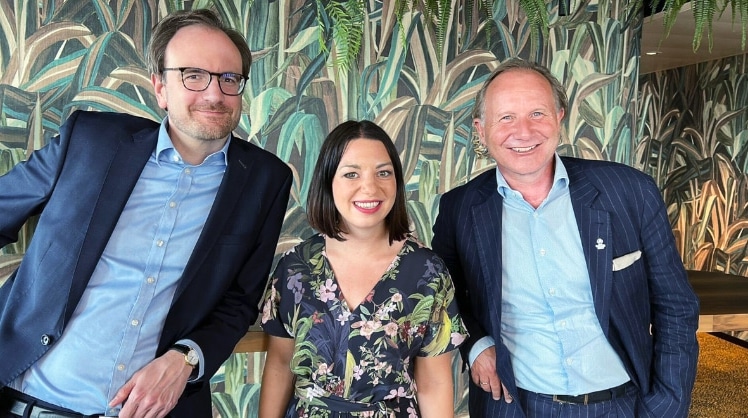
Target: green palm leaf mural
416	74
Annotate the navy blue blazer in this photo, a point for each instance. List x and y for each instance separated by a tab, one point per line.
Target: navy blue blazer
79	184
624	208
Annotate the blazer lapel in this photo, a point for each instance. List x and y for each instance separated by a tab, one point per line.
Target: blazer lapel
231	189
121	165
486	218
486	226
597	240
487	230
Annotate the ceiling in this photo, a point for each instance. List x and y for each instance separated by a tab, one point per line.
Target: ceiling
677	49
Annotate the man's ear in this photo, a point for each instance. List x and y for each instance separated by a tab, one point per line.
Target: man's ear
159	88
560	115
478	125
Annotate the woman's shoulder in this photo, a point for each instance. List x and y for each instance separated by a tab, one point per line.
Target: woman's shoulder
314	243
417	246
303	252
416	251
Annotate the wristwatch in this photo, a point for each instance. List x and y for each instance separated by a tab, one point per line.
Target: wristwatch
190	355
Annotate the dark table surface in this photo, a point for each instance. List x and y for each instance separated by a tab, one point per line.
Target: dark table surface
720	293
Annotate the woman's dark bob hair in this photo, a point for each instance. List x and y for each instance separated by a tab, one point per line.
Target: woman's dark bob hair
320	207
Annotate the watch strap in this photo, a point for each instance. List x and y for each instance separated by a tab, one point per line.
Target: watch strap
186	350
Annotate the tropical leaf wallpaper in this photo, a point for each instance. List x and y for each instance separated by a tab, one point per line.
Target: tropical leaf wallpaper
693	139
415	74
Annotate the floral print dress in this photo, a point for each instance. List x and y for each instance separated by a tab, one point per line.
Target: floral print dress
360	363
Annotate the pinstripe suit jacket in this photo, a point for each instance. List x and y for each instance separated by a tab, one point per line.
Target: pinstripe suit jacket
624	208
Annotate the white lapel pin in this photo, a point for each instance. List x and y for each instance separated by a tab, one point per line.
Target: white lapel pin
600	245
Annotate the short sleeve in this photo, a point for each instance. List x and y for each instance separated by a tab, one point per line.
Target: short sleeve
445	330
278	296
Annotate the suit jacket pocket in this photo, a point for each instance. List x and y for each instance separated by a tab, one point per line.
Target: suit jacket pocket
620	263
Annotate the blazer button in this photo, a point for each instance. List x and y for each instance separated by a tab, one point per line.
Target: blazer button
46	339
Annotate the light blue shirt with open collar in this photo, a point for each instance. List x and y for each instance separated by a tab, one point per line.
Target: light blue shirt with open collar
548	315
115	329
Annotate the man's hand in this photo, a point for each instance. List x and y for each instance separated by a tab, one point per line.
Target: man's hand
153	391
483	372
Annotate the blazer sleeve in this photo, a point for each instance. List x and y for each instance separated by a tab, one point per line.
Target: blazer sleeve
449	226
238	307
674	313
25	189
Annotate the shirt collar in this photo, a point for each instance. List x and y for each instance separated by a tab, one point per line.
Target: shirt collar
165	148
560	180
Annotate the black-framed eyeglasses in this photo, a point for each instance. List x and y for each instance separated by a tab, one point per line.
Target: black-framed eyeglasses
197	79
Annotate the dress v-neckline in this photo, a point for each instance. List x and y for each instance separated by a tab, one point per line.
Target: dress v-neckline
341	297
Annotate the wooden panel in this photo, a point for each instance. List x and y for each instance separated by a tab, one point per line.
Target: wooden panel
253	341
720	323
723	300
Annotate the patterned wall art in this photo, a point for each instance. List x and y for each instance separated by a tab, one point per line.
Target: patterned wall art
320	62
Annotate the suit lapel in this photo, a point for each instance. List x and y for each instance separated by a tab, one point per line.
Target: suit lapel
231	189
121	165
486	228
597	240
486	218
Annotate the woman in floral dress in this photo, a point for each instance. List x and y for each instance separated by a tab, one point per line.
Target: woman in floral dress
361	317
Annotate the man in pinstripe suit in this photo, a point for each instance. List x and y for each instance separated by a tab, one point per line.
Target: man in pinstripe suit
566	271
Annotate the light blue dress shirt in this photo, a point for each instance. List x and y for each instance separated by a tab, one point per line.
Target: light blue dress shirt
115	328
549	323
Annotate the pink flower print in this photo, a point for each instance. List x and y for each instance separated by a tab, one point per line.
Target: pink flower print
391	329
397	297
457	338
399	393
358	371
368	328
324	369
327	291
343	317
412	412
266	311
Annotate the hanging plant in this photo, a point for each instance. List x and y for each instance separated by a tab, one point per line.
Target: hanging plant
703	14
341	21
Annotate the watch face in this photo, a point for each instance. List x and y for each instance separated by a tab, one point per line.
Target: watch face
192	358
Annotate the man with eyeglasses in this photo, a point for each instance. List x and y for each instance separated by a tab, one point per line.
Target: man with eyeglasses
153	243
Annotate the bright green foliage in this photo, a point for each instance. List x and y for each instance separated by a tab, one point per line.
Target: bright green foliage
537	17
703	13
346	20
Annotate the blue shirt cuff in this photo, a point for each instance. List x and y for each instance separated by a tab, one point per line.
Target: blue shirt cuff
200	367
479	347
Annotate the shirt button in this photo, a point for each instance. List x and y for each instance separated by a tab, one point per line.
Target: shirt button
562	324
150	280
172	204
552	291
187	171
120	367
46	339
134	322
160	243
569	361
175	158
542	252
